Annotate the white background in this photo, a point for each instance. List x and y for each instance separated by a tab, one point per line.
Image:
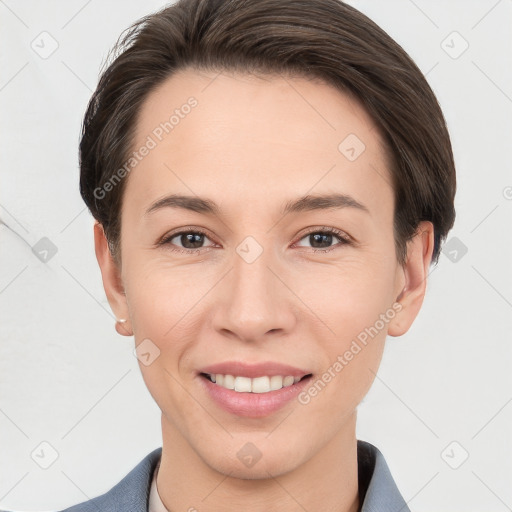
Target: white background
68	379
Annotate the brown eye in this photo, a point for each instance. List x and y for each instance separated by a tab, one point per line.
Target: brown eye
190	240
322	239
186	241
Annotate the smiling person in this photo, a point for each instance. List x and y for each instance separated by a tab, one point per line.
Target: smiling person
271	181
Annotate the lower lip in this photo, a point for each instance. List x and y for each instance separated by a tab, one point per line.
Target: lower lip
253	405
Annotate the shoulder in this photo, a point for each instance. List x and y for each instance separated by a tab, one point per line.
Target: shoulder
131	494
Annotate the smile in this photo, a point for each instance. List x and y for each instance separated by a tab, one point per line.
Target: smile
264	384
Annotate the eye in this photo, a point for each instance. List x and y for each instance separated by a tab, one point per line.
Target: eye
191	240
322	238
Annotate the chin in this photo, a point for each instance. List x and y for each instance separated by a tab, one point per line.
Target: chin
249	463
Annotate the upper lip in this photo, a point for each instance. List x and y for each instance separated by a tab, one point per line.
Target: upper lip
240	369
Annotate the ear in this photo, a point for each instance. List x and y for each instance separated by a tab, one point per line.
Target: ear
112	282
413	278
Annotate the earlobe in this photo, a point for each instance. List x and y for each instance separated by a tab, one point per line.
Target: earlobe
123	328
415	270
112	282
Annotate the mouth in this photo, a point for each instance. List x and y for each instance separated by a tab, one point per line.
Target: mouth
253	389
262	384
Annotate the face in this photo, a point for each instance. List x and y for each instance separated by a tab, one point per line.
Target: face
232	276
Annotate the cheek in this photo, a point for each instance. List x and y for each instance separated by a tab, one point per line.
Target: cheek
348	297
356	308
356	305
169	306
162	293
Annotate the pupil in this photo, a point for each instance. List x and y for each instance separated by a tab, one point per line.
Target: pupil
196	239
317	237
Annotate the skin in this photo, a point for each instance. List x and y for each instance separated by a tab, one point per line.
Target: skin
251	144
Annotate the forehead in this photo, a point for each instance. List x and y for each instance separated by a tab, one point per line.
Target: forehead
266	138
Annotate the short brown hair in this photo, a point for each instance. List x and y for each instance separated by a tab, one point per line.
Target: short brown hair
323	39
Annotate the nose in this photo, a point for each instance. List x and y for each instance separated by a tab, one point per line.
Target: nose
254	301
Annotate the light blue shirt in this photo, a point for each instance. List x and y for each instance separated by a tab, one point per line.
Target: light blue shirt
377	489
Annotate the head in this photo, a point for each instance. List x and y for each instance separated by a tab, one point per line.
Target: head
320	183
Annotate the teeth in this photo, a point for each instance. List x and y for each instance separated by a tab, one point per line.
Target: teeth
229	382
243	384
276	382
288	381
256	385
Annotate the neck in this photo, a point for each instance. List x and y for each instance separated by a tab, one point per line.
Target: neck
327	481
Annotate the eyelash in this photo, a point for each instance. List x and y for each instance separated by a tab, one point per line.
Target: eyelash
343	237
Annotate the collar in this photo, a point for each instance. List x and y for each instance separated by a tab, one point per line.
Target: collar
377	489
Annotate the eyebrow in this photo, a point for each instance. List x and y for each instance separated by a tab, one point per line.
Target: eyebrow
302	204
